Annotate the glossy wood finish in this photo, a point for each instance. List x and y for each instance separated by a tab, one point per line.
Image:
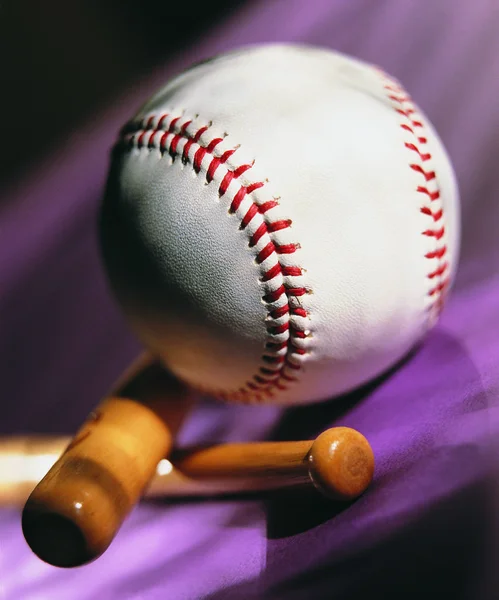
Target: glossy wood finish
75	511
340	463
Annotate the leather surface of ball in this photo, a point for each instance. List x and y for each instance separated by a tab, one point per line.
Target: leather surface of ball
281	224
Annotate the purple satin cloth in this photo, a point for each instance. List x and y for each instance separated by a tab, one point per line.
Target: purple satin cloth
427	527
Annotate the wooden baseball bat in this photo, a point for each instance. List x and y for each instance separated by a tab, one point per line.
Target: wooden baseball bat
339	463
75	511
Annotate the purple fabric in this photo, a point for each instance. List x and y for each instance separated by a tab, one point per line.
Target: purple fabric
427	525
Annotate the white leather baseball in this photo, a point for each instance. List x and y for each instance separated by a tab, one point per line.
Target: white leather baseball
281	224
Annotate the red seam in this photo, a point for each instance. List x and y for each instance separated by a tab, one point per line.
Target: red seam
269	249
277	329
258	387
259	233
439	271
428	175
271	273
438	253
404	106
431	195
436	233
263	208
438	289
436	216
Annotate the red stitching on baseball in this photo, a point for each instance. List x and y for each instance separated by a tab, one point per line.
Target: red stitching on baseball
251	212
277	313
278	225
229	176
269	249
404	106
254	239
185	151
299	333
275	295
173	122
292	271
177	141
438	253
436	233
173	145
213	144
439	288
296	291
437	272
183	128
198	133
238	198
277	329
263	208
198	158
271	273
215	162
423	155
162	141
287	248
435	215
140	139
428	175
431	195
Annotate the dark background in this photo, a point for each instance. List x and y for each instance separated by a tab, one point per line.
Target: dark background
62	61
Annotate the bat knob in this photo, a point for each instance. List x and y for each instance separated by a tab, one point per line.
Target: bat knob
56	538
76	510
341	463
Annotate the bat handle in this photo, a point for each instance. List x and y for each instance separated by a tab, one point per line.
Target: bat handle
339	463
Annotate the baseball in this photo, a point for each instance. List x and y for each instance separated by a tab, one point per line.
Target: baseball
280	224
